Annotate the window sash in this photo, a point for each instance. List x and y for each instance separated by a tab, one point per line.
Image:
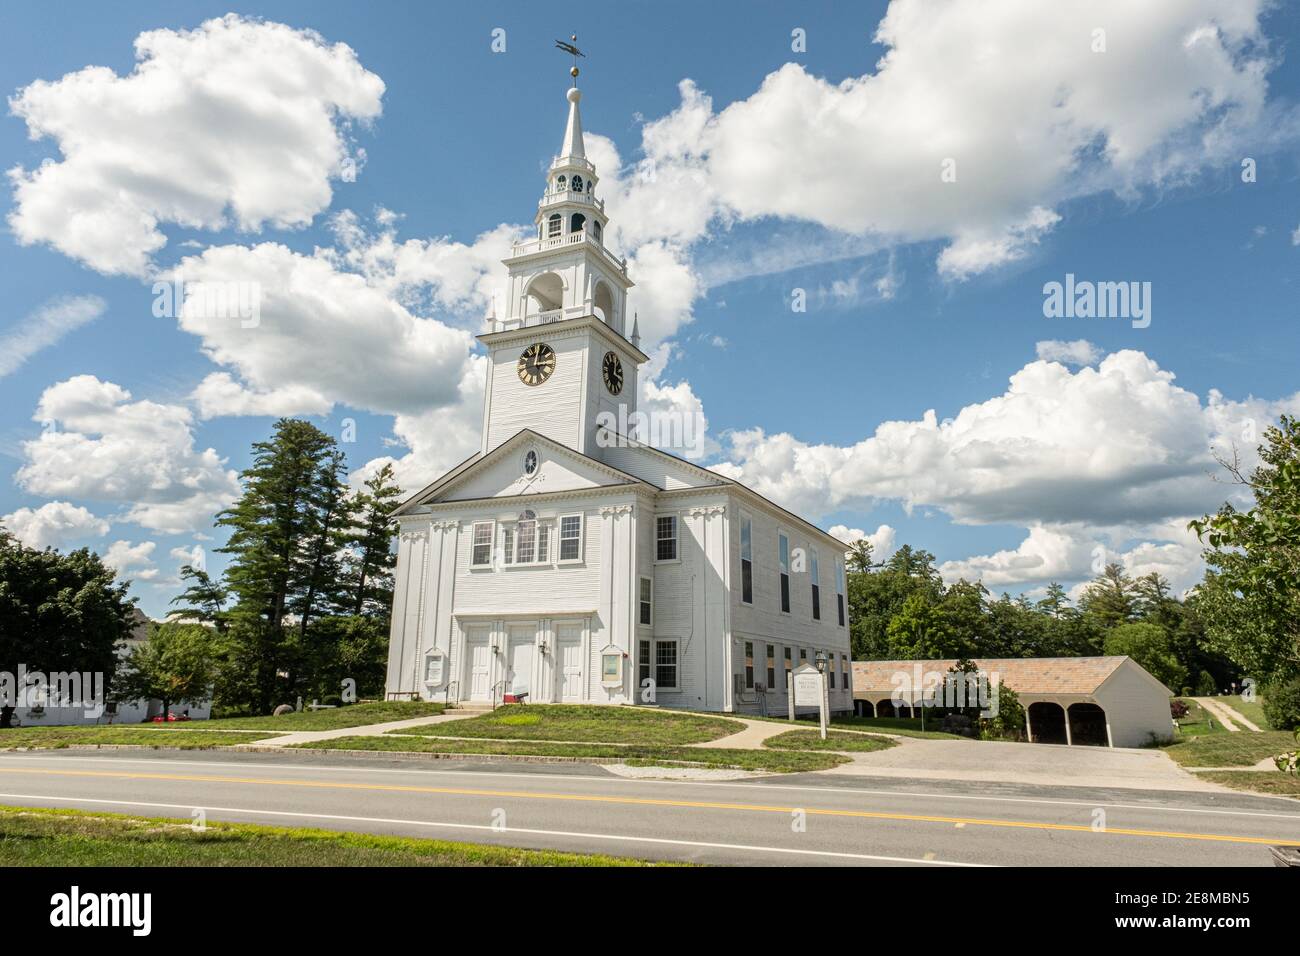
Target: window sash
666	665
645	600
771	666
840	601
785	592
666	538
817	602
571	537
749	665
481	545
746	581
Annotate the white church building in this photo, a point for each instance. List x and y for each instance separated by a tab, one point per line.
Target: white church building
566	560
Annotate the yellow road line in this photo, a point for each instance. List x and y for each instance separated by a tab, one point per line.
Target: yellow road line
652	802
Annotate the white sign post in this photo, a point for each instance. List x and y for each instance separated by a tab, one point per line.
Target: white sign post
810	691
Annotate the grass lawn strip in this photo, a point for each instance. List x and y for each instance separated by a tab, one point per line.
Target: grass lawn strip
569	722
1280	784
776	761
1198	722
353	715
1243	749
43	837
134	735
901	726
837	740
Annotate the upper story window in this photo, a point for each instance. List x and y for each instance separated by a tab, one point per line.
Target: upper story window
815	574
746	559
571	537
576	222
553	225
595	229
577	184
645	600
561	183
481	546
839	589
526	542
530	462
666	538
783	555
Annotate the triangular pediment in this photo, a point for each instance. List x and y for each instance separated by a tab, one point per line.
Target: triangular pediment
504	473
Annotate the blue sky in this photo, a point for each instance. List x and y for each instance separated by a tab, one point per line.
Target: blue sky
776	170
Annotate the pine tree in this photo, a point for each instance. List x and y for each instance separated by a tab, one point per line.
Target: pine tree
1110	599
204	600
329	520
274	520
368	572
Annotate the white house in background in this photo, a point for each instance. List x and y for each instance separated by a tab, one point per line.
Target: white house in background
571	562
53	712
1097	701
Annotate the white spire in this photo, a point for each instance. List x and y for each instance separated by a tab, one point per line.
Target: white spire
573	130
636	330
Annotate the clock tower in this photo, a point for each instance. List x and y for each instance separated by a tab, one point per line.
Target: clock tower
563	357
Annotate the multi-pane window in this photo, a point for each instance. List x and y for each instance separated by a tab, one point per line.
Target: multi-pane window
803	655
481	555
527	542
814	573
749	665
746	559
783	553
830	669
771	666
645	601
666	538
571	538
642	663
666	665
844	667
839	589
553	225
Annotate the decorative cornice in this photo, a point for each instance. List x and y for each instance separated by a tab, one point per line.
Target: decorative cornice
707	511
615	510
445	526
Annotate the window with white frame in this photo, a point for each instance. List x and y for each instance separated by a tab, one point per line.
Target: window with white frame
771	666
787	667
481	549
527	542
749	665
646	602
830	669
746	559
844	669
783	554
570	537
839	589
814	572
665	665
666	538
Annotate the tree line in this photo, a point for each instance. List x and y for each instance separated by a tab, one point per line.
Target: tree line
1239	627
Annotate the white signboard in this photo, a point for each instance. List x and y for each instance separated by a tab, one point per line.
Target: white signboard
807	686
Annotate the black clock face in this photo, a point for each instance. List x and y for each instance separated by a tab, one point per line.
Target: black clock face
536	364
612	369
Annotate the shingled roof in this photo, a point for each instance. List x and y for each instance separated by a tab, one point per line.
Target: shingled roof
1029	675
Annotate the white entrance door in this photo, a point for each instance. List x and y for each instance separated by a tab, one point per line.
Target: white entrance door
569	657
520	644
478	664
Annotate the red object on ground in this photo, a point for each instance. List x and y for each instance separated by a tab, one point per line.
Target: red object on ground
516	698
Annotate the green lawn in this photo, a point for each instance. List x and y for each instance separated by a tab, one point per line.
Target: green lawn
138	735
777	761
1281	784
354	715
40	837
627	725
1243	749
835	740
1252	710
903	726
1198	722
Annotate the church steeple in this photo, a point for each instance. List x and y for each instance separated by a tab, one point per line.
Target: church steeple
573	147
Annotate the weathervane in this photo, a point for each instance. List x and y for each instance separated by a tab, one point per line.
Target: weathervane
573	51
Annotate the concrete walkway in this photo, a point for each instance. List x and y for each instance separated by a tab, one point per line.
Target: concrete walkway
368	730
752	737
1228	716
1003	762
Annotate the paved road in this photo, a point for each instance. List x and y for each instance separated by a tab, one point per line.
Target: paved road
846	821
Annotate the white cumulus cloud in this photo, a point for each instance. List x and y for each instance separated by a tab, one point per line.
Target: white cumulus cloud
54	524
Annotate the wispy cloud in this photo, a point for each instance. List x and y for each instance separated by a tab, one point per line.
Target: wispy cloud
44	327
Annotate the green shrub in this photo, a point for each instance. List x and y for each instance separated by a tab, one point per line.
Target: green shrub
1282	705
1205	685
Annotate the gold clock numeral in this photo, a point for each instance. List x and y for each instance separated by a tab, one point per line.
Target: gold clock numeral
536	364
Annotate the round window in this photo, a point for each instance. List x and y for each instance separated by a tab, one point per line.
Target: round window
530	462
